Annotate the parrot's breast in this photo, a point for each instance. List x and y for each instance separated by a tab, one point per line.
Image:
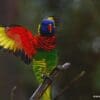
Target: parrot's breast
43	63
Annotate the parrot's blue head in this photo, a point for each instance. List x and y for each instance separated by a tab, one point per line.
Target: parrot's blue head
47	27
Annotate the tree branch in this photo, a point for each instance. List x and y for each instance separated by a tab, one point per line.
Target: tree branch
79	76
48	81
12	94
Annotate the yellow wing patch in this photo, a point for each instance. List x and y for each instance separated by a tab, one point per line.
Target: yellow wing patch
5	41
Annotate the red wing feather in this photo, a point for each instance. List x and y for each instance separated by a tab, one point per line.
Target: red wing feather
19	40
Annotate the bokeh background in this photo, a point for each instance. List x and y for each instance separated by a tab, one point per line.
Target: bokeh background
78	40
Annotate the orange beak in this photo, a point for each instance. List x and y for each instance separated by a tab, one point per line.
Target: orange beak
50	28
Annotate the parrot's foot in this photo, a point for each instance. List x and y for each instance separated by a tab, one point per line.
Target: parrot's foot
45	76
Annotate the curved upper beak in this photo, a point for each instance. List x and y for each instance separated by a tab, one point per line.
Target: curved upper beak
50	28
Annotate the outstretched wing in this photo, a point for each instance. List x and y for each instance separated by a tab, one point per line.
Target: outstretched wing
19	41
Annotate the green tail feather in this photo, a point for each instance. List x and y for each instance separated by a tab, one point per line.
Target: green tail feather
47	94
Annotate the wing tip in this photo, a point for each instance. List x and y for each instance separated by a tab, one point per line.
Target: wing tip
27	60
23	56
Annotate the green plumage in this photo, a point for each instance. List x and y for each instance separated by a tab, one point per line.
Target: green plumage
43	63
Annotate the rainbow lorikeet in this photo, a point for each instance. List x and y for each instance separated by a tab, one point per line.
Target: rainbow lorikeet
40	49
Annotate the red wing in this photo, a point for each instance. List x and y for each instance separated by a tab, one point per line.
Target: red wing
19	40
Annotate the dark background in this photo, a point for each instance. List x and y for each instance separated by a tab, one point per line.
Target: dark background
78	36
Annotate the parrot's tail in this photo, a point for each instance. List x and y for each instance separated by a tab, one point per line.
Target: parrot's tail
47	94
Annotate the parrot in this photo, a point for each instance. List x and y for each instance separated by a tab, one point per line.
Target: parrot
38	49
